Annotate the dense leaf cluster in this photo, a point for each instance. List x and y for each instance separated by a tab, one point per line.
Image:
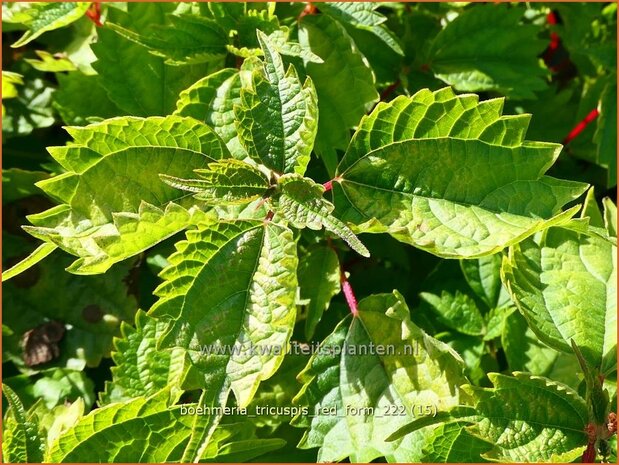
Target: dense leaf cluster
309	232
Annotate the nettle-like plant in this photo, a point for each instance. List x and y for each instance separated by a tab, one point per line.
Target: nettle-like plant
225	157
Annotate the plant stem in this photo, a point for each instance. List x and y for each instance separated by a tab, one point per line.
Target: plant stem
94	13
310	9
349	294
329	184
351	300
581	126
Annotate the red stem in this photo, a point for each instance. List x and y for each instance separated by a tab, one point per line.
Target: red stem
389	90
589	455
351	300
329	184
310	9
94	13
581	126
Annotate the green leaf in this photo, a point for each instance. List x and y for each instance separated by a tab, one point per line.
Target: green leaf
71	102
90	308
138	82
18	184
255	284
140	369
244	451
319	281
487	48
484	277
564	283
35	257
610	216
596	397
280	40
212	100
278	391
344	81
42	17
521	418
30	109
276	119
606	133
363	15
48	63
9	82
529	418
357	14
393	387
448	295
301	203
115	432
62	386
523	349
225	182
391	178
188	39
21	440
229	297
451	443
103	222
238	443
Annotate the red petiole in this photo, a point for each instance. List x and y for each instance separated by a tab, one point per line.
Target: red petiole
581	126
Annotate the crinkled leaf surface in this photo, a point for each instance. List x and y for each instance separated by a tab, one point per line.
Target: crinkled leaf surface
21	441
301	203
340	375
212	100
41	17
565	284
522	418
140	369
224	182
230	288
487	48
529	418
363	16
451	443
103	222
187	39
277	116
115	433
417	167
228	284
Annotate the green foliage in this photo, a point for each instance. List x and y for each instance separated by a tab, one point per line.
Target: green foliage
576	302
277	115
309	232
391	179
487	48
41	17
